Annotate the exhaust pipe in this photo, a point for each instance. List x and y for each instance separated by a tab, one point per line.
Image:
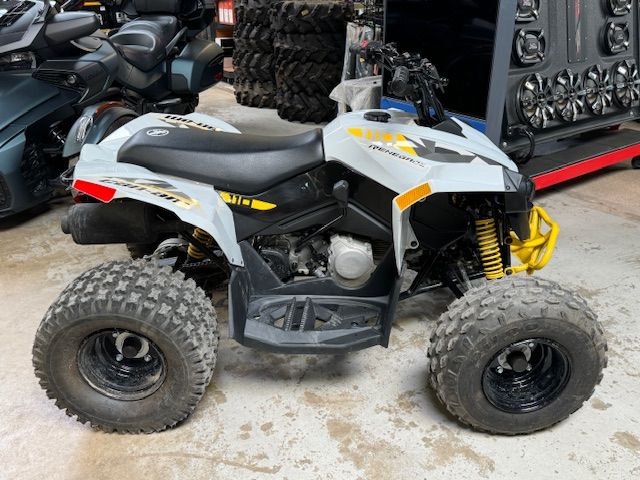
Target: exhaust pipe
107	223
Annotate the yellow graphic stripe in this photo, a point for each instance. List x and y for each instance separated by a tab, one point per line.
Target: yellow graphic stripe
401	142
260	205
253	204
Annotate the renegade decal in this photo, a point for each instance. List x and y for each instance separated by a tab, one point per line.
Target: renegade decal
420	147
159	189
252	203
188	123
378	148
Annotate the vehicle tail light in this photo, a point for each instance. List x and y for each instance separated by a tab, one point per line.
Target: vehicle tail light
95	190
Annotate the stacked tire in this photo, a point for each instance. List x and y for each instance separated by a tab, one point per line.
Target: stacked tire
253	56
309	53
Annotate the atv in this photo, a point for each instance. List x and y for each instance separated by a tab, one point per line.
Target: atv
314	234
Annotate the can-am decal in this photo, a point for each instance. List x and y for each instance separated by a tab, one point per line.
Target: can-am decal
179	121
157	188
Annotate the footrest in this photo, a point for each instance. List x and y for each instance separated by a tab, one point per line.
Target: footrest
266	337
312	324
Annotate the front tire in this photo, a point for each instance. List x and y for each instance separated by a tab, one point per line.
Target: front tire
127	347
516	355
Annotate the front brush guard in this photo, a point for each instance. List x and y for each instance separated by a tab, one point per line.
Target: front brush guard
537	250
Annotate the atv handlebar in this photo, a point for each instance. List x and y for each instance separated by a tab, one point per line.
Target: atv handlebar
399	85
414	78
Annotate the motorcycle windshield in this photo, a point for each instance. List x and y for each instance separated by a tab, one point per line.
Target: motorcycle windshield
16	20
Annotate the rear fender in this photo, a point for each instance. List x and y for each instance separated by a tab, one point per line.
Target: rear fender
161	120
195	203
93	124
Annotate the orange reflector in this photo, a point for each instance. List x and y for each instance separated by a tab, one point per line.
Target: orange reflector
95	190
413	196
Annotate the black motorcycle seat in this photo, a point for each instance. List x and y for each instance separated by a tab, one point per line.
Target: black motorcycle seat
237	163
143	42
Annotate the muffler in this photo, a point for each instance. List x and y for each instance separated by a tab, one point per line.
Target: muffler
123	222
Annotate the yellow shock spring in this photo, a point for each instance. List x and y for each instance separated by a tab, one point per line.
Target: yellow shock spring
490	254
205	239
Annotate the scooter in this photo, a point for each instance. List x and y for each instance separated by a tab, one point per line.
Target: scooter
64	84
318	231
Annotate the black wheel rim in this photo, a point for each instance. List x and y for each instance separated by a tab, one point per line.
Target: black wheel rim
526	376
122	365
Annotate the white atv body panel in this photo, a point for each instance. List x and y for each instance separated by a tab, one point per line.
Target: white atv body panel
450	163
398	154
401	155
193	202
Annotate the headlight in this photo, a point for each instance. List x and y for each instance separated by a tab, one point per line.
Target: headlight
17	61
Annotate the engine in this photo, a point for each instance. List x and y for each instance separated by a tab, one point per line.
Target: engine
350	262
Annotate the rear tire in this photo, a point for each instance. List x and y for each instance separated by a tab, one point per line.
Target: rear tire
255	94
300	16
254	66
312	42
303	108
257	12
309	78
254	38
635	163
168	336
516	355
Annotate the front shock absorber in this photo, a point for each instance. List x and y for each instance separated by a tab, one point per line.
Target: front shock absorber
204	238
490	252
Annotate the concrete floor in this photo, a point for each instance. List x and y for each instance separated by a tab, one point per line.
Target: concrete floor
367	415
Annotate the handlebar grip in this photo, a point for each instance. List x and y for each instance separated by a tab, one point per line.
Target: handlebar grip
399	85
371	52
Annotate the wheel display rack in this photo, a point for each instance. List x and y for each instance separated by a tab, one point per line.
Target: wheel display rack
547	81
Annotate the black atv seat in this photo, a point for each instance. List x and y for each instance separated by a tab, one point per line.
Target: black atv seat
245	164
143	42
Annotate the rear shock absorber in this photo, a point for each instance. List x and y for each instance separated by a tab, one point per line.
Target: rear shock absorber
490	253
204	238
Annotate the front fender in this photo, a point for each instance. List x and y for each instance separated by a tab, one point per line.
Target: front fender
92	125
454	178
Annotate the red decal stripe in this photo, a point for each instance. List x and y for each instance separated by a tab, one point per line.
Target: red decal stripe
95	190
